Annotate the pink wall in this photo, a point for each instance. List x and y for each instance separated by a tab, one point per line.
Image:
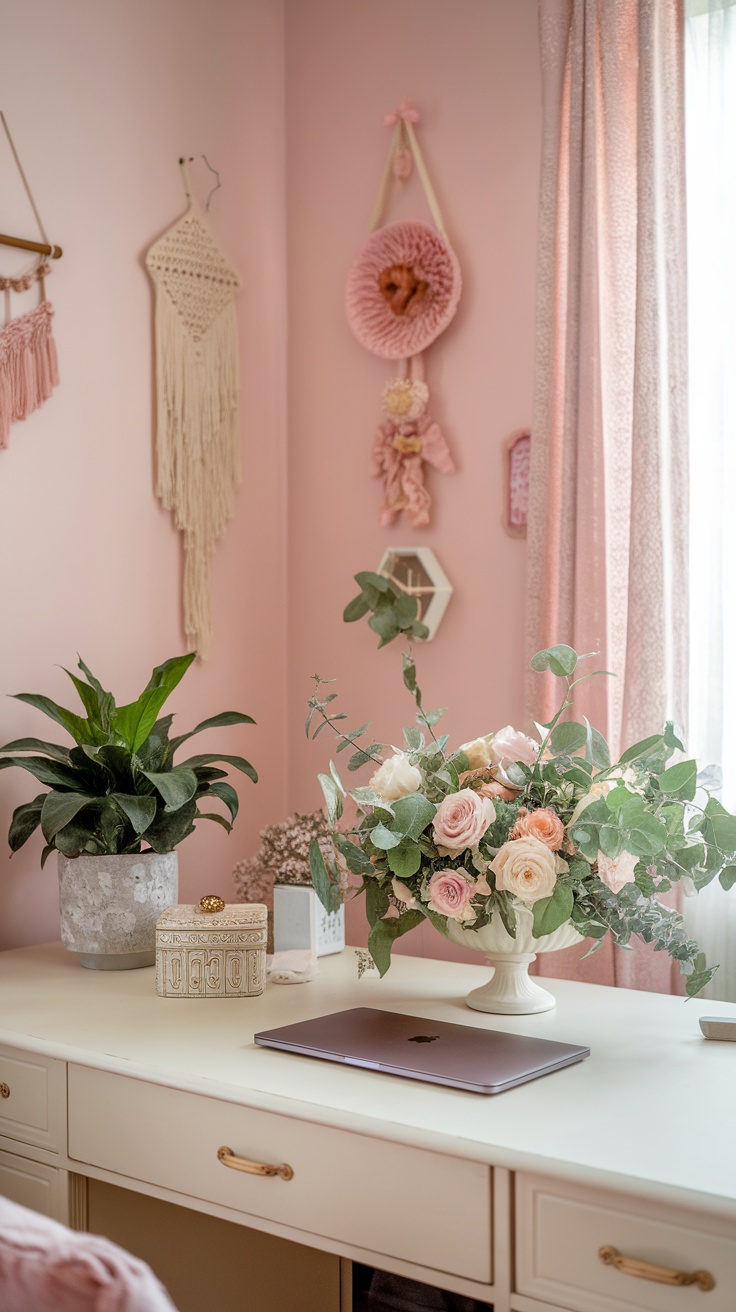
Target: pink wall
113	94
102	99
472	70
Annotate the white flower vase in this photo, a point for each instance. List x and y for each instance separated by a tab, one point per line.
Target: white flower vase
510	991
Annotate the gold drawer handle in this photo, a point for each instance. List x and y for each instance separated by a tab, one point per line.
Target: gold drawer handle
664	1275
4	1090
228	1158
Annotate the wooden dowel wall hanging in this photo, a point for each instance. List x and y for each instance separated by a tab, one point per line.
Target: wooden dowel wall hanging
29	369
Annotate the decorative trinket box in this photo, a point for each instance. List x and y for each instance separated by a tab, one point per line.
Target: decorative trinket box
211	950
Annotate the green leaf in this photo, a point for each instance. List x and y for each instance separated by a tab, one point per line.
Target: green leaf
332	796
53	750
611	840
645	836
432	717
561	660
74	724
25	821
171	827
366	796
376	901
680	780
88	698
413	738
327	891
53	773
177	786
48	849
368	579
383	838
219	819
385	933
214	722
135	721
355	609
405	610
551	912
384	624
405	859
642	749
226	794
596	748
209	758
355	859
58	810
412	814
409	673
140	811
363	756
567	737
727	877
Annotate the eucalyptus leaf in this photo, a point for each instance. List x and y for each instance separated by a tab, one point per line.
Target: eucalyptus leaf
385	933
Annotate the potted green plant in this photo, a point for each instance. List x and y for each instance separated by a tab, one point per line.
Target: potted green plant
116	807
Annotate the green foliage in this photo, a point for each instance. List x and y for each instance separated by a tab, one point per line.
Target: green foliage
119	790
394	611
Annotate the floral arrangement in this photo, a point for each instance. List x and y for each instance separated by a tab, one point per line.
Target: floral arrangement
508	825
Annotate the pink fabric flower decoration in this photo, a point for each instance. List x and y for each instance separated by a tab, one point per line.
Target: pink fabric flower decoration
616	871
403	289
461	820
450	892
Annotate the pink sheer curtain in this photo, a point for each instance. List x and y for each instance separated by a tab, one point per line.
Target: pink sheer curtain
608	497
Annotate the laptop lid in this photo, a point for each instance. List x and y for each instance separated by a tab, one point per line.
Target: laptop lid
460	1056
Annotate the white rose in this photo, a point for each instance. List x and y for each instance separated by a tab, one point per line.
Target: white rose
478	752
396	778
616	871
510	745
527	868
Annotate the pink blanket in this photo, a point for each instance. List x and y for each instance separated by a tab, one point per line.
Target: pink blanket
46	1268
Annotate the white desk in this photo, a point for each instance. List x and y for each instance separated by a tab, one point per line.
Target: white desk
507	1199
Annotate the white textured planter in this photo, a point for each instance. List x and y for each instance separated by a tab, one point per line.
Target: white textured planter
510	991
300	921
110	904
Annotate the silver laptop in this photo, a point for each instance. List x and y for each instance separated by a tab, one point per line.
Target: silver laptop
461	1056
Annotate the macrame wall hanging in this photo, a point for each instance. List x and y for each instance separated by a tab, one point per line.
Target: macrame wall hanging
403	290
28	364
197	431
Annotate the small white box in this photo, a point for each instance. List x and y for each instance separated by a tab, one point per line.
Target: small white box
300	921
219	953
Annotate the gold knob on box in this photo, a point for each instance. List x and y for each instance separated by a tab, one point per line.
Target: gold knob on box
211	903
4	1090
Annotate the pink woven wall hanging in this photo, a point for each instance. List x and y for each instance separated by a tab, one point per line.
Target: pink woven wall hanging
402	291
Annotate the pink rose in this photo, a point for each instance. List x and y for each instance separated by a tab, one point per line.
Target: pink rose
510	745
450	892
461	820
615	871
527	868
494	789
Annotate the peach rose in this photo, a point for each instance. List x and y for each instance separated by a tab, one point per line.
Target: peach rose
527	868
616	871
450	892
460	821
543	824
510	745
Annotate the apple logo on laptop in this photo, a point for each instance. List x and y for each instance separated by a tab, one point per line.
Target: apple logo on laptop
424	1038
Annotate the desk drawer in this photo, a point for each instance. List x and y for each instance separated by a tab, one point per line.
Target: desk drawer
32	1099
384	1197
560	1229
